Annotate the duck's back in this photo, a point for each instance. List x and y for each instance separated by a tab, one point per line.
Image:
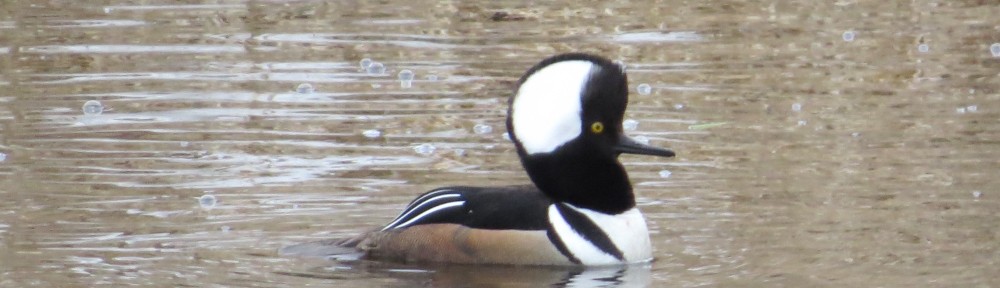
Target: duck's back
484	225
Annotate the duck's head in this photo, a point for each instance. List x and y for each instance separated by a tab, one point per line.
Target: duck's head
566	120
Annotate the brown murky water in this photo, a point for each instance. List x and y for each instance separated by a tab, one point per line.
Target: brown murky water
820	143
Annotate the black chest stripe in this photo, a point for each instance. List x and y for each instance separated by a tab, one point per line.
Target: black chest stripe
590	231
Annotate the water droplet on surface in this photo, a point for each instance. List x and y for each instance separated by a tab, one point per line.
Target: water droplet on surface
506	136
373	133
923	48
678	106
665	173
630	124
802	122
406	78
185	143
960	110
305	88
405	75
3	157
207	201
855	134
848	36
972	108
995	49
977	194
432	77
424	149
376	68
482	129
796	107
641	139
224	229
92	107
365	63
644	89
459	152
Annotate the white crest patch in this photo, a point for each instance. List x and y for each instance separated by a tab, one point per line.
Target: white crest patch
626	230
546	110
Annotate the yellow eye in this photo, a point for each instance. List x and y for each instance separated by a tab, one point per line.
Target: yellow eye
597	127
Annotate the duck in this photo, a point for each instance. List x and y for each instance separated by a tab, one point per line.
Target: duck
565	121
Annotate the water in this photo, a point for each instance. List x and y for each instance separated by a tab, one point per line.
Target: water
885	183
641	139
482	129
644	89
376	68
405	75
405	78
365	63
207	201
665	173
621	65
305	88
848	36
923	48
93	107
630	124
372	133
424	149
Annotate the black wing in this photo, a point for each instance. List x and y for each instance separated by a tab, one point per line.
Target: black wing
515	207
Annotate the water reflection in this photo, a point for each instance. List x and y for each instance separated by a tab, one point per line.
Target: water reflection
637	275
817	144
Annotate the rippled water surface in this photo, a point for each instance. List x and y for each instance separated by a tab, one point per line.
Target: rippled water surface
179	143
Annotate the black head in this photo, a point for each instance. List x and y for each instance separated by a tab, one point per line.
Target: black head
566	121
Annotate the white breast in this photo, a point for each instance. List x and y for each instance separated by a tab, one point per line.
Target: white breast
626	230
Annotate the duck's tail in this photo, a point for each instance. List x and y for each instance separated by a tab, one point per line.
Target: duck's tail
335	249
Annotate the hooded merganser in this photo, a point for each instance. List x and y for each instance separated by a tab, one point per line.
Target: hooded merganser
566	121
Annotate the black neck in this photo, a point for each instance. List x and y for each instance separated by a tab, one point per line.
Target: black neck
585	181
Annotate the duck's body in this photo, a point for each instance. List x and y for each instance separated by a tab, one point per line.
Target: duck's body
565	120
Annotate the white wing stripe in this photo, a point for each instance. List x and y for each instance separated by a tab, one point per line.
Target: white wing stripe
430	194
413	208
431	211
